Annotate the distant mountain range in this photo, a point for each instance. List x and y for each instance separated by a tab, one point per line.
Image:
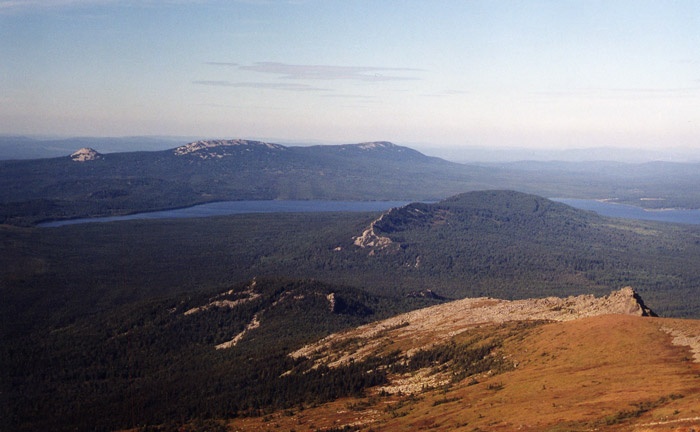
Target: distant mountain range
92	183
25	147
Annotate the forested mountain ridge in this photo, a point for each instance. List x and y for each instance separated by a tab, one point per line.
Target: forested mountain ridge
474	244
219	170
519	211
203	171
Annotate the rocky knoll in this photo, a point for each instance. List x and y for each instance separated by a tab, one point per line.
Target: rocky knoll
429	326
85	154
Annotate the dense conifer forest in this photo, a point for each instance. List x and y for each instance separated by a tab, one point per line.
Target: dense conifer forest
115	325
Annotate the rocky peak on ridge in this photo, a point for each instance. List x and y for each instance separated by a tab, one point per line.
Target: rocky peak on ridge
210	149
373	145
382	150
85	154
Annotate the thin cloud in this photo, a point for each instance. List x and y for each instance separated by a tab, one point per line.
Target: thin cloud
669	91
447	93
20	5
346	96
30	5
356	100
456	92
623	92
261	85
221	64
270	2
328	72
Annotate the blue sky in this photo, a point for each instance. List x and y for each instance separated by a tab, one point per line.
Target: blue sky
540	74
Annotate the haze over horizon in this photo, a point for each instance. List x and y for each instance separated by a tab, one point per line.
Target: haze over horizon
541	75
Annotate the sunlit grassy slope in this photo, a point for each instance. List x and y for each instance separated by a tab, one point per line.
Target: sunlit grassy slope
611	373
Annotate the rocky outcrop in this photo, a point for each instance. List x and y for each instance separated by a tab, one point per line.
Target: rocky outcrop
426	293
221	148
220	301
400	219
439	323
684	338
377	145
370	238
252	325
85	154
625	301
331	301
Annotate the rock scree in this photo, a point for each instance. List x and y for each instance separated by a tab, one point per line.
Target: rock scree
439	323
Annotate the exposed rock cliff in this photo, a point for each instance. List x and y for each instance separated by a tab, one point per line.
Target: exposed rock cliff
370	238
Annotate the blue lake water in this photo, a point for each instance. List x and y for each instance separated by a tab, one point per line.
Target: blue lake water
604	208
241	207
611	209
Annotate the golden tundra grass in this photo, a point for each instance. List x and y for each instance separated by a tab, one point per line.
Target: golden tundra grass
605	373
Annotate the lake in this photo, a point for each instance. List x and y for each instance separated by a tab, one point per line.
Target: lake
612	209
604	208
241	207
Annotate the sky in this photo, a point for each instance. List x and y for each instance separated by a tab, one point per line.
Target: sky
497	74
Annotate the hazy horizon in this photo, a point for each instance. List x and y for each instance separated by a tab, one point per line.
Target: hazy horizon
541	75
53	146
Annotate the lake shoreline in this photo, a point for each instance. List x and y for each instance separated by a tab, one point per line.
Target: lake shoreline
607	207
223	208
610	207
